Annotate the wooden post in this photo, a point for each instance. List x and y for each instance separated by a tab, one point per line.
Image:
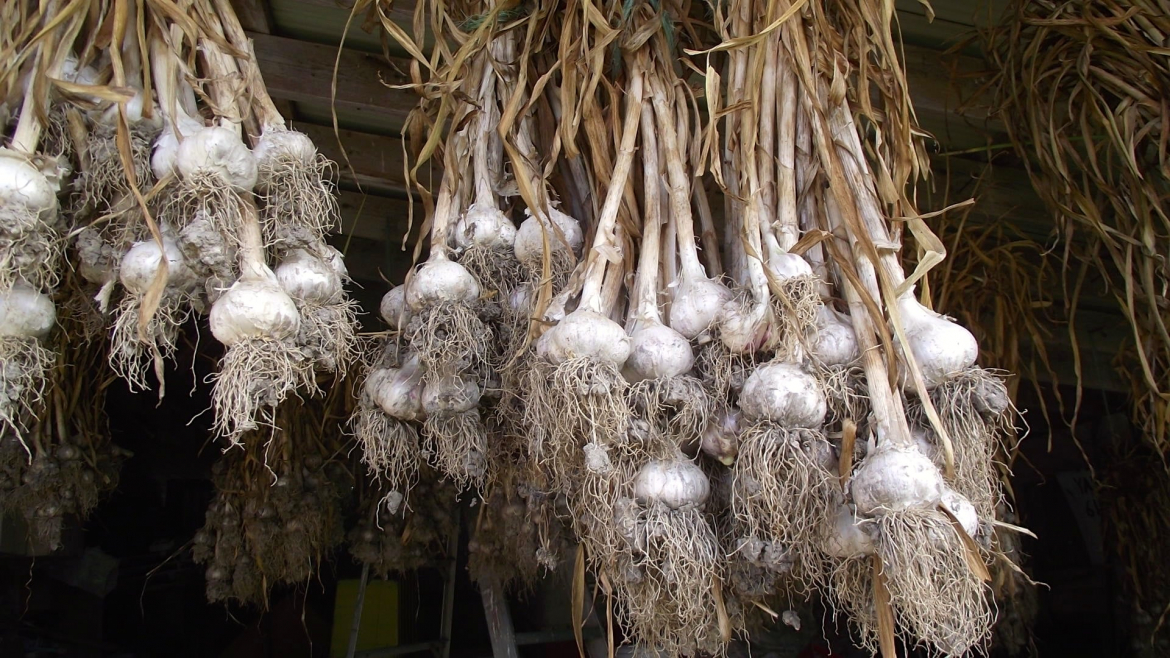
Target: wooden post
499	620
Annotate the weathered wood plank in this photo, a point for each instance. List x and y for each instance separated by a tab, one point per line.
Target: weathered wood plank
323	21
377	160
254	15
300	71
374	217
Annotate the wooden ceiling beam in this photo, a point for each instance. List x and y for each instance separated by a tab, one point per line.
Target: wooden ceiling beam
300	71
375	162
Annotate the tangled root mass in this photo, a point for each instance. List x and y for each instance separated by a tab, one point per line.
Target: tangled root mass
256	375
781	494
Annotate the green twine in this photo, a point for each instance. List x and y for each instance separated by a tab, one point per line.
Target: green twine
472	23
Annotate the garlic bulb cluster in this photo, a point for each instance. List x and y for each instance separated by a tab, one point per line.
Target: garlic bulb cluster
710	400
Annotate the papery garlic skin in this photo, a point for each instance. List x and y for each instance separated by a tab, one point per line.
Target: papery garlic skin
254	309
678	484
940	346
657	351
784	394
217	151
528	242
438	281
585	334
895	479
26	313
308	279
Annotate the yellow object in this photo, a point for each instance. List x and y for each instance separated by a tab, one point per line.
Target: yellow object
379	627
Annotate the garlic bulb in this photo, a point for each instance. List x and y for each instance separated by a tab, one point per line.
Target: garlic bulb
254	308
743	329
588	334
140	264
657	351
721	437
940	346
217	151
847	538
520	300
961	509
678	484
784	394
835	344
783	265
697	303
278	143
485	226
308	279
26	313
397	391
529	240
893	479
441	280
166	145
23	185
393	308
335	259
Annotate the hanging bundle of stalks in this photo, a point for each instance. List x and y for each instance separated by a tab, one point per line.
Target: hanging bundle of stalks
70	461
395	540
30	217
277	511
515	542
999	284
189	197
779	357
1081	89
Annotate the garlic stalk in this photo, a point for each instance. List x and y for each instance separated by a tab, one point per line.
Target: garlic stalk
300	207
484	235
697	299
258	322
673	404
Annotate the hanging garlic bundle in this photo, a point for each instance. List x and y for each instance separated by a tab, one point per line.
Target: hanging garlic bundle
70	462
123	245
451	343
276	513
30	241
298	210
437	380
211	243
772	435
103	181
512	547
395	539
972	403
483	235
577	396
780	488
903	540
666	399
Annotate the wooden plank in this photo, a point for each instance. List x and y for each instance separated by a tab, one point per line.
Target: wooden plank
945	91
299	71
374	217
499	620
323	21
377	160
254	15
936	99
400	11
